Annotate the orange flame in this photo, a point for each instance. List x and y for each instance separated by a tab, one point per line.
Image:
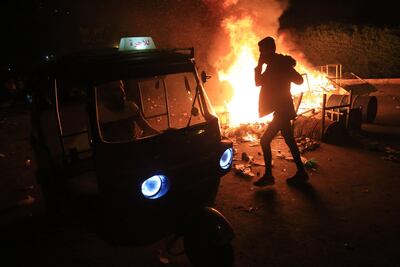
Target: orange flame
237	68
243	107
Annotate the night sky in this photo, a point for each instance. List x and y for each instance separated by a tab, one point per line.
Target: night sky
302	13
36	28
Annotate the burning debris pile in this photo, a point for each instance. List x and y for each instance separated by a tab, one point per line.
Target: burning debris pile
250	134
317	118
240	31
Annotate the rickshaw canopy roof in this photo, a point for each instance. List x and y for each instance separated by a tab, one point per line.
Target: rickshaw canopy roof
97	66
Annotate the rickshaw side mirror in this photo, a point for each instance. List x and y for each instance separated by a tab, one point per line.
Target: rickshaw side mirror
204	76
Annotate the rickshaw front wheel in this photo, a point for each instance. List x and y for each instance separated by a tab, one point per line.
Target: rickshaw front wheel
207	239
201	255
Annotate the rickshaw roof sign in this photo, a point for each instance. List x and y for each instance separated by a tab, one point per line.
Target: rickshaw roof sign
136	43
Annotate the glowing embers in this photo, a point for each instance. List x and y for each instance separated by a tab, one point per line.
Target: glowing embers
226	159
155	186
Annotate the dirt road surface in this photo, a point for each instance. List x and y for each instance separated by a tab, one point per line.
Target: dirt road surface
347	215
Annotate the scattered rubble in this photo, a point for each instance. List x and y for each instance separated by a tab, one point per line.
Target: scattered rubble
254	144
29	200
251	209
250	132
392	151
306	144
391	154
246	157
243	170
279	155
259	162
310	164
391	158
246	209
163	260
348	246
28	163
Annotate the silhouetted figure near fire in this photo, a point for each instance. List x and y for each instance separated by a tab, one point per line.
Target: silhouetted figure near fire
275	97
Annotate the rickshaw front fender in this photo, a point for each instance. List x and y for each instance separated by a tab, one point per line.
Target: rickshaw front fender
211	224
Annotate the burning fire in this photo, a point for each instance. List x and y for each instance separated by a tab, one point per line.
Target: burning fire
243	107
237	68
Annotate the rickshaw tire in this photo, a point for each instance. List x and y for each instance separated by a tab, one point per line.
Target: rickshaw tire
211	255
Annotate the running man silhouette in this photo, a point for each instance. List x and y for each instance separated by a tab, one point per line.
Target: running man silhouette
275	97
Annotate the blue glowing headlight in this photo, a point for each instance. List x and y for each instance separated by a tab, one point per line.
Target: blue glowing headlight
155	187
226	159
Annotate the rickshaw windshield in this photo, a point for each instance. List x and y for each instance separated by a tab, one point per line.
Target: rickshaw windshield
133	109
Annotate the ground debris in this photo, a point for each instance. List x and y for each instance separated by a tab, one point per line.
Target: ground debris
348	246
251	209
251	161
280	155
391	154
310	164
260	162
306	144
391	158
246	209
254	144
246	157
29	200
392	151
243	170
28	163
236	158
250	132
163	260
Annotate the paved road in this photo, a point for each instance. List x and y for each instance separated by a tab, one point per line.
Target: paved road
348	215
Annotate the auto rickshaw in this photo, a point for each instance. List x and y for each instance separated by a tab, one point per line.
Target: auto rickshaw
131	131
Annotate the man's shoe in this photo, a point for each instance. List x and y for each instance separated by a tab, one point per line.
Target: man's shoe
265	180
298	178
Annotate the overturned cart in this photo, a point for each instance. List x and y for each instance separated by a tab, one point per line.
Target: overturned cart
339	113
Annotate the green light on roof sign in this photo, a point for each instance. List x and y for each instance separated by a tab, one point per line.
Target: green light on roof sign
136	43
